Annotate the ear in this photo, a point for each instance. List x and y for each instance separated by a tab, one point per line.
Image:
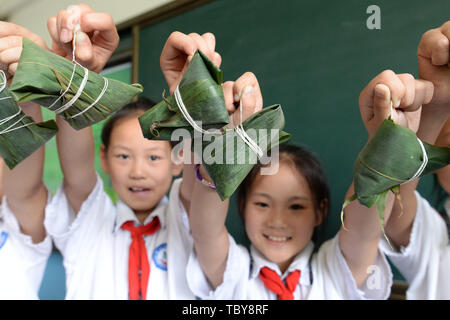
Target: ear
321	212
177	169
103	159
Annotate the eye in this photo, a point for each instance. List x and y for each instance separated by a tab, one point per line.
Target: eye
261	204
123	156
297	207
154	158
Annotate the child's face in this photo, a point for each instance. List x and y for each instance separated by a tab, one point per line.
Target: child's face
141	170
280	215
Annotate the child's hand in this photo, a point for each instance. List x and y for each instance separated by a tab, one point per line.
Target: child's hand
178	51
433	55
244	91
11	45
406	93
95	42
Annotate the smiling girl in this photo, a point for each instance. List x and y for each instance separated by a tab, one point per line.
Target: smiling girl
281	213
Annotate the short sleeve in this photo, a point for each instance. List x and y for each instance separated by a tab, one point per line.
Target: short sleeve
71	234
336	278
419	261
36	251
235	277
22	262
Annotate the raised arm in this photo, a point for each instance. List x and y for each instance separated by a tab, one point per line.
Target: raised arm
359	244
23	186
175	57
24	189
208	212
95	43
434	65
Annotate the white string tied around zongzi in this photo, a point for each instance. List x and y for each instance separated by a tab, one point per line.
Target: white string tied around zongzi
82	85
239	129
424	154
9	118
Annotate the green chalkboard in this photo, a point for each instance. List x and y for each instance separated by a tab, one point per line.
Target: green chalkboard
311	56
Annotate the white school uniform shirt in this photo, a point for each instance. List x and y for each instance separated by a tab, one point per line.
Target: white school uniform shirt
425	261
324	275
95	249
22	262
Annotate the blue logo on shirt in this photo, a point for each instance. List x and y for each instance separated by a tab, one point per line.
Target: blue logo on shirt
3	238
160	256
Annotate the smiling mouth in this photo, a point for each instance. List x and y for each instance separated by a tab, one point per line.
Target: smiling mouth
137	190
277	239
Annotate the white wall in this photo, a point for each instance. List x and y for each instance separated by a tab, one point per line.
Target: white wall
33	14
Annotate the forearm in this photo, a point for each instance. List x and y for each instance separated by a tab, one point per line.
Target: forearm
24	188
207	221
359	242
76	150
30	170
187	184
432	121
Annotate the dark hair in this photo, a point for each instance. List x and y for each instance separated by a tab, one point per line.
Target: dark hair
308	164
131	109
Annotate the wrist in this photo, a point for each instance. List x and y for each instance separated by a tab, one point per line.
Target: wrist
203	177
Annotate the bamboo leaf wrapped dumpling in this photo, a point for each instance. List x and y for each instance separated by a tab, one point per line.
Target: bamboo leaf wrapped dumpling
392	157
20	136
81	97
201	95
264	127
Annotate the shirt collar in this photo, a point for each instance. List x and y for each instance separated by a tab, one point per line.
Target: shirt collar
124	213
300	262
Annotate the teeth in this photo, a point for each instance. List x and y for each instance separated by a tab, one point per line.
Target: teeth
137	189
279	239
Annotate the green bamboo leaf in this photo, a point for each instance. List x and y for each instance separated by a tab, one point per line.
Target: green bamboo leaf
391	158
226	157
202	94
228	174
43	76
18	144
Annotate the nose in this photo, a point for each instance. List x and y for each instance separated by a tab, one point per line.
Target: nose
276	220
137	170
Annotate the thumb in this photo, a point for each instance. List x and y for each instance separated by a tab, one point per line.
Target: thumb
247	105
83	48
381	103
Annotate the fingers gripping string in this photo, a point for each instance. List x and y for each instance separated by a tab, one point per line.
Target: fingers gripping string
244	136
9	118
238	129
82	84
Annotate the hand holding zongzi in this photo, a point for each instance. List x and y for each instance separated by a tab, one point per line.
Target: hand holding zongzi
406	94
394	155
91	51
434	63
11	45
178	52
